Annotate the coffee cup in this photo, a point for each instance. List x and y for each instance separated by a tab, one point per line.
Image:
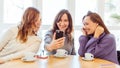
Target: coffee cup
61	52
89	56
29	56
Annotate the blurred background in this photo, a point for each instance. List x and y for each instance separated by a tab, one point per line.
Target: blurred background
11	12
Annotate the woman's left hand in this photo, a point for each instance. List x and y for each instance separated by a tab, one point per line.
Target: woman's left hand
99	30
1	61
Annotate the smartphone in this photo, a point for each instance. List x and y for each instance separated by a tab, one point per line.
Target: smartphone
59	34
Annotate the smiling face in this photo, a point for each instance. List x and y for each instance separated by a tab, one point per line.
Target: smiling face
89	25
63	23
38	23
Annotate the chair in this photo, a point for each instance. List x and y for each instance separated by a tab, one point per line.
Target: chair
118	56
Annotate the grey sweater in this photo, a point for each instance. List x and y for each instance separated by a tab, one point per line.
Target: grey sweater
68	45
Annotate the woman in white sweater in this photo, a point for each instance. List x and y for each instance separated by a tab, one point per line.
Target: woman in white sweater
21	39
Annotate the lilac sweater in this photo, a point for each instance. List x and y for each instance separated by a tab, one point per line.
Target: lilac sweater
103	47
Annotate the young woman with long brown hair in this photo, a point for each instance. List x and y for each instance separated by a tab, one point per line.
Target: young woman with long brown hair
97	39
21	39
62	22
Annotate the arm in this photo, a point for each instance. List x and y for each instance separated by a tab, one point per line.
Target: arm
47	40
101	48
6	38
32	48
82	41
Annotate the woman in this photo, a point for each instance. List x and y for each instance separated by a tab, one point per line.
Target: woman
62	22
23	38
96	39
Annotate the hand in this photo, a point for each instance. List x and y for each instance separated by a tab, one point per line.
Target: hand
99	30
56	43
84	31
1	61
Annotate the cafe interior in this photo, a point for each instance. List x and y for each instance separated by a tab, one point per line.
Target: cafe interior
11	12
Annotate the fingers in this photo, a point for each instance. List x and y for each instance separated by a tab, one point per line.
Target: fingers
84	31
54	36
99	30
60	39
58	43
2	61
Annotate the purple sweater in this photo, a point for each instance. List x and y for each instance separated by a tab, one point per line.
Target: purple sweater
103	47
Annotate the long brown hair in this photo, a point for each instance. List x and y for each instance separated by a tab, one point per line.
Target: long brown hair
97	19
69	30
27	25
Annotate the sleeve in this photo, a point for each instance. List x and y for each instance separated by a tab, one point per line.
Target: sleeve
6	38
82	41
32	48
47	39
102	48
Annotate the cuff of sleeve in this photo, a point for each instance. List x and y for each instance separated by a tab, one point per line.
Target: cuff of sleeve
5	59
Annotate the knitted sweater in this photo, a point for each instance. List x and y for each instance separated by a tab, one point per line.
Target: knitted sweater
10	48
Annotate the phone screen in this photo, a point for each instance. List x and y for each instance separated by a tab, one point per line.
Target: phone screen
59	34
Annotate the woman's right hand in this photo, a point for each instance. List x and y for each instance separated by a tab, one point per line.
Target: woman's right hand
84	31
56	43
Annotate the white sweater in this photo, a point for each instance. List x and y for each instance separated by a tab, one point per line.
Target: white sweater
10	48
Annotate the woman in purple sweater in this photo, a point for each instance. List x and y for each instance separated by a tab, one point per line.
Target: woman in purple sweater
96	39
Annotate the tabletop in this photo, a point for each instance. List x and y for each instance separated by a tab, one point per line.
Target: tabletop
55	62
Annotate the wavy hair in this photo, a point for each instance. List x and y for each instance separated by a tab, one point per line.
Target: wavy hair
69	30
27	25
97	19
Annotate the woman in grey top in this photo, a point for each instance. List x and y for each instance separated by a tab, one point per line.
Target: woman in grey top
62	22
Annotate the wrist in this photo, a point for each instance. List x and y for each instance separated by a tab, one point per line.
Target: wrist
49	48
3	60
84	35
96	36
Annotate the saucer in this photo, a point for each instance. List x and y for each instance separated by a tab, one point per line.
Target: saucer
28	60
41	57
60	56
87	59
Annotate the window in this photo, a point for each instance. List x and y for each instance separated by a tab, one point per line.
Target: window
112	12
109	10
112	18
50	9
13	10
82	7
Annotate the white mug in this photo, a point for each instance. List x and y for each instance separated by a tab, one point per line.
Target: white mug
29	56
61	52
89	56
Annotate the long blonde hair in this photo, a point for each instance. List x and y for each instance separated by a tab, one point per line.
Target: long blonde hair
27	25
